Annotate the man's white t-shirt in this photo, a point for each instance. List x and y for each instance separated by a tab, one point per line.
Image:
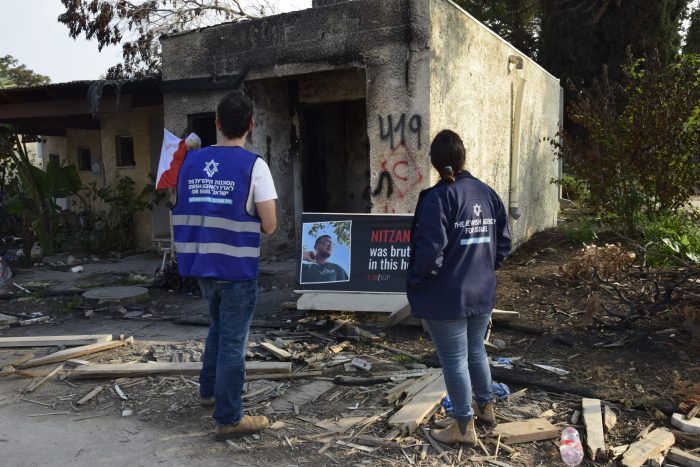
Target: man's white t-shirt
262	187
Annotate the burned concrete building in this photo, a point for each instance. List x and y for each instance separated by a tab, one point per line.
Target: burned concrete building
349	93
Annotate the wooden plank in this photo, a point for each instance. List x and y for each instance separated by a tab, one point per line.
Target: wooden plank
74	352
415	357
53	341
652	444
339	347
22	359
300	395
683	458
398	316
36	383
183	368
90	395
524	431
689	426
276	351
692	412
355	446
358	331
420	384
398	392
609	418
283	376
422	405
441	452
370	440
73	362
687	437
593	419
502	315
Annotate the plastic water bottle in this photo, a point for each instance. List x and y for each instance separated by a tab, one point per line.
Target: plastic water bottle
570	446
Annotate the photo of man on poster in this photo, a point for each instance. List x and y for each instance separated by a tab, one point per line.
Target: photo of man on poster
316	264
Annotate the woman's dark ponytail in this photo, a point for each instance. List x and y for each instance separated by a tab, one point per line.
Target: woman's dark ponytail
447	174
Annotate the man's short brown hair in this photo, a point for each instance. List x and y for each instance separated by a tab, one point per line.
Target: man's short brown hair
235	112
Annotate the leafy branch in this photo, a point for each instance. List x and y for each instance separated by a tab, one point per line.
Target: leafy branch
137	25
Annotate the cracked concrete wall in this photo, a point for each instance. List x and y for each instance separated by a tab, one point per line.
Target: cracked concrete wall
472	93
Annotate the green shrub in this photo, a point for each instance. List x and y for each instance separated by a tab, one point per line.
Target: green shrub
671	236
573	189
584	231
112	228
635	146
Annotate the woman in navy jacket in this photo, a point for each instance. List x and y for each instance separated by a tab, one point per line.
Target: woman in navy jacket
459	238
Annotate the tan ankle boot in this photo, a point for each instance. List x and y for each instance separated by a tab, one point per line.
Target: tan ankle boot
485	415
454	435
248	424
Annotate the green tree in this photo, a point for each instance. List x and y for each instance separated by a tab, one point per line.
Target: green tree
640	162
692	38
583	39
517	21
136	25
14	74
580	38
35	200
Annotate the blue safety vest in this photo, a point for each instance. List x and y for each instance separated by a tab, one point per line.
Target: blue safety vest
213	232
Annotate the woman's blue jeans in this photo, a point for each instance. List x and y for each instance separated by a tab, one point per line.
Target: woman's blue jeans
231	306
460	347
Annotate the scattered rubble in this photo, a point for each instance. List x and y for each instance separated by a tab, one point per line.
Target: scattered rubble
328	411
385	414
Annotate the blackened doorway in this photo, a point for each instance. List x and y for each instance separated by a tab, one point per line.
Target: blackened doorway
335	157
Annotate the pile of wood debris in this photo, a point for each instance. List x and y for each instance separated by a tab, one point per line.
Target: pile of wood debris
343	394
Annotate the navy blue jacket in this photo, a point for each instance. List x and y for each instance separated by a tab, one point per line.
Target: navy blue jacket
459	238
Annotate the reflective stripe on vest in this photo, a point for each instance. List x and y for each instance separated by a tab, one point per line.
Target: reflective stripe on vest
218	249
216	222
213	234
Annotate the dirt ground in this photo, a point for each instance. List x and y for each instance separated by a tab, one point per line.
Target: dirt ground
641	371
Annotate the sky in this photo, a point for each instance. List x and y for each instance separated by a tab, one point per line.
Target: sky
32	34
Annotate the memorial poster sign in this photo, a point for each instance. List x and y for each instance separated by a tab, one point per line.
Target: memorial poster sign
354	252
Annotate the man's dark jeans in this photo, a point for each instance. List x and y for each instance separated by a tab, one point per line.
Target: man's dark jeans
231	306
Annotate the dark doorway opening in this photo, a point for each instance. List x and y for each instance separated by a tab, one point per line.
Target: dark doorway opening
204	125
335	157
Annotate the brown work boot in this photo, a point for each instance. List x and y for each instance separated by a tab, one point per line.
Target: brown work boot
248	424
485	415
458	432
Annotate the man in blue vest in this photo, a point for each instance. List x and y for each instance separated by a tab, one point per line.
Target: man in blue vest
226	197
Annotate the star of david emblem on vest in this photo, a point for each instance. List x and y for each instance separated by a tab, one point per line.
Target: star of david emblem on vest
211	167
